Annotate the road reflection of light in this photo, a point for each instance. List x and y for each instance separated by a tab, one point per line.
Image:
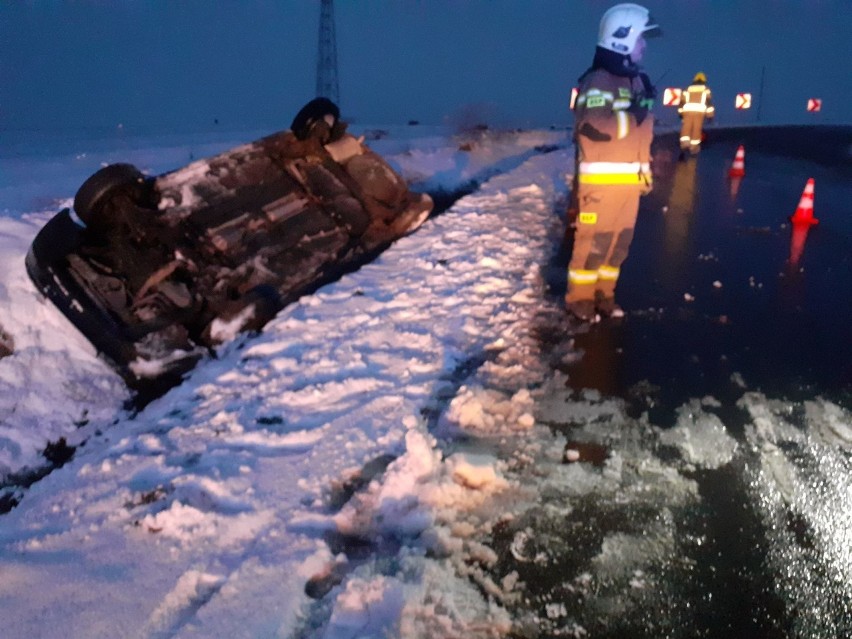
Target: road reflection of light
803	490
680	216
735	186
793	285
602	364
797	242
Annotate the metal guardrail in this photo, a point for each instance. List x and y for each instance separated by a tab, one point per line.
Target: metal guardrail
824	144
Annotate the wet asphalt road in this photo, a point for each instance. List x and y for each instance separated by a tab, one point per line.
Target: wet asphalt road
650	536
721	293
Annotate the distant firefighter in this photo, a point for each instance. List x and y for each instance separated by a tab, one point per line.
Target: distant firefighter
695	104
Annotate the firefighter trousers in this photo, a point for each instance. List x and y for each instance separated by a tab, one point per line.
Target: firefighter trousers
690	131
602	239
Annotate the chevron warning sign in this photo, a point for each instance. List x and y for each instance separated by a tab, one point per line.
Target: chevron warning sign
814	104
671	97
743	101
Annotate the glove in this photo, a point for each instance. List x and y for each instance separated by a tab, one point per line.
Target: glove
638	109
646	182
649	89
643	100
593	134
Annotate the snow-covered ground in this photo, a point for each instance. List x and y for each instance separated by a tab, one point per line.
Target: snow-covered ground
387	458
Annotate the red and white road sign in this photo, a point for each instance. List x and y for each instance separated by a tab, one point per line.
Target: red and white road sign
814	104
574	93
743	101
671	97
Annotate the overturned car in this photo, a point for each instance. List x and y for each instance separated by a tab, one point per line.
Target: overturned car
164	268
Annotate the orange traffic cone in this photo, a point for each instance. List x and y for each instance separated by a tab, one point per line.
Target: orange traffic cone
805	211
738	166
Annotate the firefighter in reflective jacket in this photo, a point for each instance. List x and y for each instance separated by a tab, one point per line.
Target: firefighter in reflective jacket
613	130
696	103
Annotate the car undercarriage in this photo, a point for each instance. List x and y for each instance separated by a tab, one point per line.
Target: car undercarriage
162	269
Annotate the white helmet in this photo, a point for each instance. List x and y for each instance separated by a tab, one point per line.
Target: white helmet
622	25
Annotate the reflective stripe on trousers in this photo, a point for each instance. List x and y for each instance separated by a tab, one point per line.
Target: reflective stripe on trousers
604	273
602	239
690	130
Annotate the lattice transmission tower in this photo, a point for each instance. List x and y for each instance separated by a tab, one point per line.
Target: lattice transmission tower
327	86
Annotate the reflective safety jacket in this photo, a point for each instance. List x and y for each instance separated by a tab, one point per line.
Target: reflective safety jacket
696	99
613	130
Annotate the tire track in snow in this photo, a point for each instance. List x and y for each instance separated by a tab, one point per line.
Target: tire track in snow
503	328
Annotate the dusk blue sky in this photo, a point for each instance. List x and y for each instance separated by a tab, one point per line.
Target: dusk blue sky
161	64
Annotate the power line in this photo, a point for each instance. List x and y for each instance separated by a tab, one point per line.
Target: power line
327	85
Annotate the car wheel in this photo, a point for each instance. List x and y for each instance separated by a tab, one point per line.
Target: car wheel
104	185
313	116
267	303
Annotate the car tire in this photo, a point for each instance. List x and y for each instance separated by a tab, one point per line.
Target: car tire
311	114
105	184
267	302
